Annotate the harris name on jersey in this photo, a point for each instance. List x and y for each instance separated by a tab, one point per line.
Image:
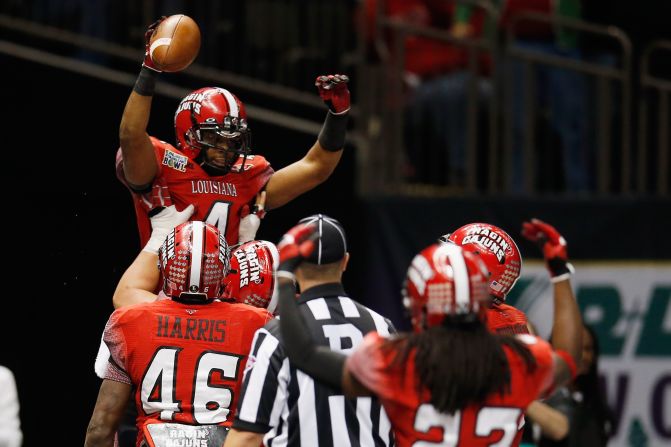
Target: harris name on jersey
191	328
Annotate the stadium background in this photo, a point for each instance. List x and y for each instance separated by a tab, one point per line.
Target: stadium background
69	233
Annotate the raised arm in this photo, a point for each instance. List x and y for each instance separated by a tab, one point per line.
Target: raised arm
139	162
323	157
567	322
140	280
318	361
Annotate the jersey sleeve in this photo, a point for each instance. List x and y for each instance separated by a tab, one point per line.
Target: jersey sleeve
370	366
158	195
257	172
265	383
159	152
542	378
115	340
503	319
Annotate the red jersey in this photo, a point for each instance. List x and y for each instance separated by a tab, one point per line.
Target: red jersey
503	319
181	181
184	360
413	417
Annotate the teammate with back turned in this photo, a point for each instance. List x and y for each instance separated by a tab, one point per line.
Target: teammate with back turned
452	382
502	258
212	165
182	359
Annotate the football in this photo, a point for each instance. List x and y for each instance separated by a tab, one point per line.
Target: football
175	43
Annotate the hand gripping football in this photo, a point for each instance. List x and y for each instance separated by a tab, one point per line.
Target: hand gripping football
175	43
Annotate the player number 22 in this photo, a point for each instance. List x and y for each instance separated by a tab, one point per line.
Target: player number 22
488	420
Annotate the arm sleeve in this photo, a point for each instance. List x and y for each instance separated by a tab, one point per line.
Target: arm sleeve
368	365
318	361
159	152
257	175
542	378
102	358
115	341
262	175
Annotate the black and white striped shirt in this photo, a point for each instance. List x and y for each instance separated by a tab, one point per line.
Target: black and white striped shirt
292	409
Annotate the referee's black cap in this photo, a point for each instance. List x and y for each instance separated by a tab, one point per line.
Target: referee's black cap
331	243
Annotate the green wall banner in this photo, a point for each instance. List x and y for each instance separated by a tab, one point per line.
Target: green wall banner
629	306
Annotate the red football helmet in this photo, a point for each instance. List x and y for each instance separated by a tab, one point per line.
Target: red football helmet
213	117
251	279
444	280
193	261
498	251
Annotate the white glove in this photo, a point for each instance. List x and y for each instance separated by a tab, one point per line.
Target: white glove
249	225
102	358
251	220
163	223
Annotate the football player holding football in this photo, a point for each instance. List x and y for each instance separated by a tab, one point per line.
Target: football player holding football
212	165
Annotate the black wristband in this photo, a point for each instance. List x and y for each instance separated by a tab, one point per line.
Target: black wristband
558	266
334	130
146	82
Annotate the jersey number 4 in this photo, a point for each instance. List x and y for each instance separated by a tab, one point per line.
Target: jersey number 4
210	402
218	215
488	420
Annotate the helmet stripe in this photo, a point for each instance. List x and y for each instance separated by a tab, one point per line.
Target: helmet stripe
233	109
197	235
319	256
275	255
460	274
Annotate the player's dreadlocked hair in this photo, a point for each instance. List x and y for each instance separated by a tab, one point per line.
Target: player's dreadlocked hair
460	362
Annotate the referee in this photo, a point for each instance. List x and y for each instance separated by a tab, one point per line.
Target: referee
281	405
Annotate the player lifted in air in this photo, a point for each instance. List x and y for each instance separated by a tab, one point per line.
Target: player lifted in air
212	165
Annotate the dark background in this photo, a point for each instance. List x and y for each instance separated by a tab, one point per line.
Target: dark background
72	231
69	227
